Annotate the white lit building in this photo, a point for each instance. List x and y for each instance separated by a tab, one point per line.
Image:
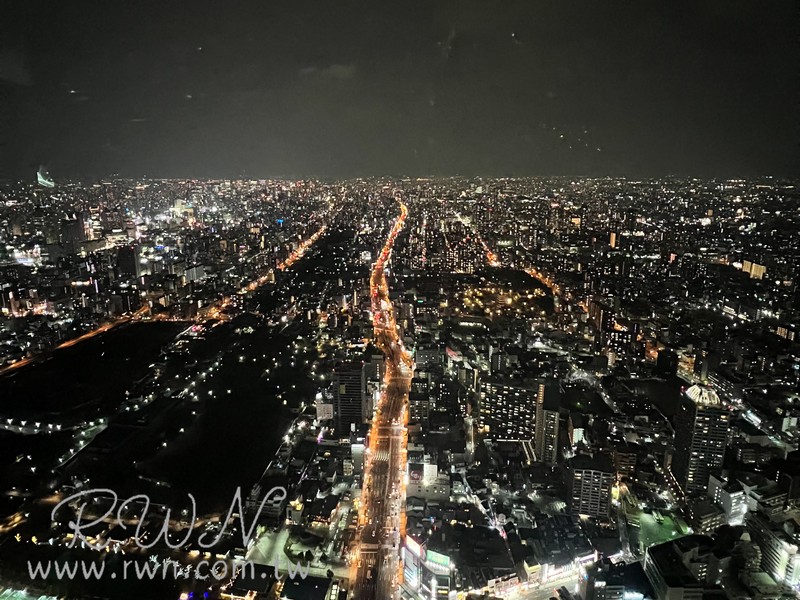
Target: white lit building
730	497
779	540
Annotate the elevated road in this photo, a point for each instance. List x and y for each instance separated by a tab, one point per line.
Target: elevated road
108	326
382	510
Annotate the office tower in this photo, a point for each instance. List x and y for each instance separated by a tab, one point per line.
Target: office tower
701	363
602	316
72	231
684	569
507	410
604	319
626	456
777	536
730	496
548	400
606	580
349	387
419	407
701	434
497	361
755	270
667	362
788	474
704	515
450	396
127	261
576	428
590	480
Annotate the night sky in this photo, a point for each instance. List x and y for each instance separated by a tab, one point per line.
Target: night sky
342	89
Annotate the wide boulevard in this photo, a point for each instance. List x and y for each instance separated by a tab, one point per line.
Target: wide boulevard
382	508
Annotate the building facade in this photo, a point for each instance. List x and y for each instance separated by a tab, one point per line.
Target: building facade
548	401
349	387
702	427
591	479
507	410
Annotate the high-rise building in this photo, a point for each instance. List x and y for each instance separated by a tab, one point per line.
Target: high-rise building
72	231
128	261
591	479
730	496
507	410
626	456
419	407
684	569
576	428
548	401
324	408
704	515
604	319
779	539
667	362
349	386
602	315
608	581
753	269
450	396
701	435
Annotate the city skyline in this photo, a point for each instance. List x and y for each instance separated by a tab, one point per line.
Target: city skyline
414	388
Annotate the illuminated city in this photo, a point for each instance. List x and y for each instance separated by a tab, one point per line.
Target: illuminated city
422	302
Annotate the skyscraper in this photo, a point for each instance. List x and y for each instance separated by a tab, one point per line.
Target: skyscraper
548	400
701	434
590	480
507	410
72	231
349	386
127	261
419	407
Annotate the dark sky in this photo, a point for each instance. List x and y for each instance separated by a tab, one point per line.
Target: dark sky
338	89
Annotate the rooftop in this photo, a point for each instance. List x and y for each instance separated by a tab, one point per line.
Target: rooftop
704	396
